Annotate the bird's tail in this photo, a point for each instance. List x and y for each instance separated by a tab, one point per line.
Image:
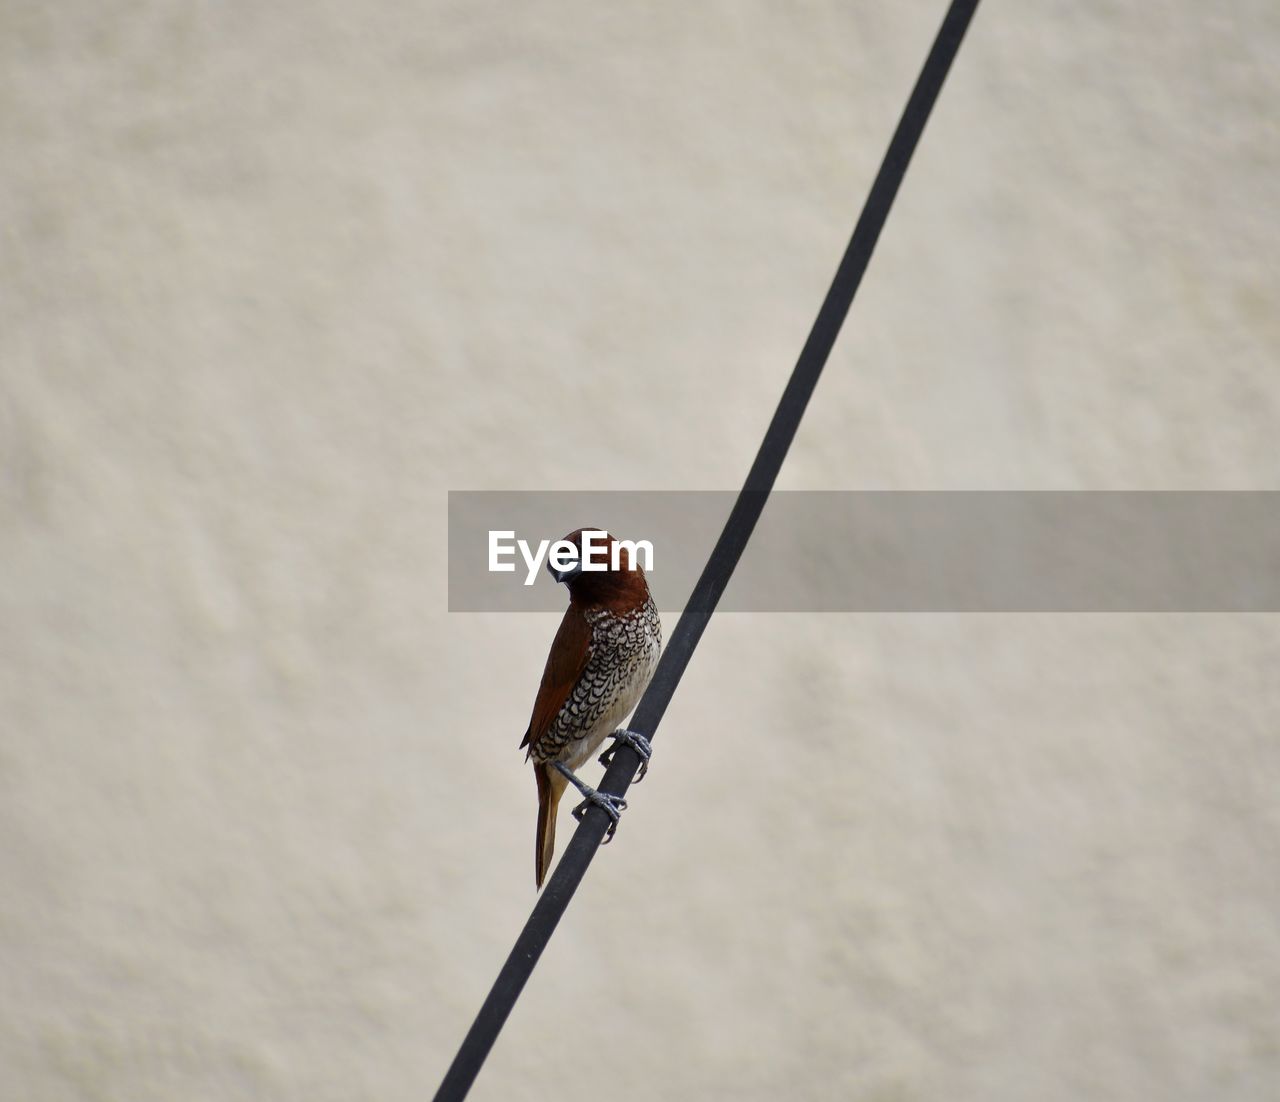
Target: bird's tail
551	786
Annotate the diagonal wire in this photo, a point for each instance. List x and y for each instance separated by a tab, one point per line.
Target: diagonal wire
724	558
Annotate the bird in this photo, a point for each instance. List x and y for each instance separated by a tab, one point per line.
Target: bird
601	661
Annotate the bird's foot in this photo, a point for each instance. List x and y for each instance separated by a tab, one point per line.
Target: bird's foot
637	742
613	806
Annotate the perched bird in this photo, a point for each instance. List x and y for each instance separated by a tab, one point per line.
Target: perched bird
601	661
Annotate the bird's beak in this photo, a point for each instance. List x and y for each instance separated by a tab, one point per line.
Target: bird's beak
564	575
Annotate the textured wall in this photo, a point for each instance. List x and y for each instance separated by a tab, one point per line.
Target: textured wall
276	276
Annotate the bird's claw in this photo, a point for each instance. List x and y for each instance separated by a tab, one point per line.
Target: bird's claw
613	806
637	742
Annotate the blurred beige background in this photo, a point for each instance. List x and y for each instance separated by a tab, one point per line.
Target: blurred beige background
275	277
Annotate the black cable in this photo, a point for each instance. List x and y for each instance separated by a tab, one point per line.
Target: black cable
724	558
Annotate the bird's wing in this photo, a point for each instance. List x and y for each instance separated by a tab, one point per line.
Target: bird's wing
568	658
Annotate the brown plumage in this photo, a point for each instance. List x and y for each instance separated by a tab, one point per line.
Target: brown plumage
600	662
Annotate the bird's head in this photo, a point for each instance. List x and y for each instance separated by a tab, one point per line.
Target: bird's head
598	569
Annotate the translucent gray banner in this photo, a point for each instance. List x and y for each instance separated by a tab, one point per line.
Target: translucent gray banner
843	551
